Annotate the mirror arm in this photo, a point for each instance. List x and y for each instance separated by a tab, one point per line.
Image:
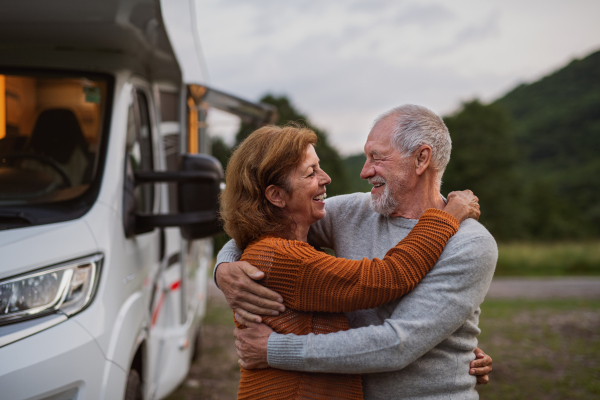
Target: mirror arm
175	176
168	220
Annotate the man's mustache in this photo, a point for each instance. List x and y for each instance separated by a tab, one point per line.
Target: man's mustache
376	180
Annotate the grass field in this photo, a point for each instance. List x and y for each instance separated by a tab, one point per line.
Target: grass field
547	350
549	259
542	350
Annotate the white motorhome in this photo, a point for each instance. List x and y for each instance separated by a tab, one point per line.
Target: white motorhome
108	198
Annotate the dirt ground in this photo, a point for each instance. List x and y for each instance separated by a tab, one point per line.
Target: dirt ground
545	288
215	375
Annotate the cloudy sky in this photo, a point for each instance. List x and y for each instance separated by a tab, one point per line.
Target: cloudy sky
344	62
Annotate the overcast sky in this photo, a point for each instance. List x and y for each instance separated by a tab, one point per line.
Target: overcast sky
344	62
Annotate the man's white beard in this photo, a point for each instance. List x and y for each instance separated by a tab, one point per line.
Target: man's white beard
384	204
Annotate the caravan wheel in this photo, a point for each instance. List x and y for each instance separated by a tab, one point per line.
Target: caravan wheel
134	386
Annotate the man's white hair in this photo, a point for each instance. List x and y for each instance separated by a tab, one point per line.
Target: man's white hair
415	126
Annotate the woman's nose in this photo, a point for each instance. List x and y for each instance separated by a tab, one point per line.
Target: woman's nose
325	179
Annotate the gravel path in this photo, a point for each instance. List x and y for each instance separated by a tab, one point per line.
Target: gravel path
545	288
516	288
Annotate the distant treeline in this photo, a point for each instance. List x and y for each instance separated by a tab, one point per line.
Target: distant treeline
532	156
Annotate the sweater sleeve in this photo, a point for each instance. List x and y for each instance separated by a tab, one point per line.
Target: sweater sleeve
310	280
439	306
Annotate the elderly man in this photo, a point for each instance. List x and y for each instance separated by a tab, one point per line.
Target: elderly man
416	347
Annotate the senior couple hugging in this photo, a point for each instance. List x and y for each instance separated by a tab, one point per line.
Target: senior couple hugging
396	315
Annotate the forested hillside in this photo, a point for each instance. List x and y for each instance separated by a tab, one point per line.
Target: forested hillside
557	128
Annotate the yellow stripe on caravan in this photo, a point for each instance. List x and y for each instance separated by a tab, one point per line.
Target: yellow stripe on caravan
2	106
192	127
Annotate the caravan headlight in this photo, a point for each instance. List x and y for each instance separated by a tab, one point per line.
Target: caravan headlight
67	288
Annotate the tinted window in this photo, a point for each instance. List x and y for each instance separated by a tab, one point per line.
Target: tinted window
169	106
50	131
139	151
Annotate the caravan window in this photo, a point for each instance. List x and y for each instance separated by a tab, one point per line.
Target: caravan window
50	135
139	154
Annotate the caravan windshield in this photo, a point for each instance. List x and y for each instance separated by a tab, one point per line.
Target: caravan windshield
50	135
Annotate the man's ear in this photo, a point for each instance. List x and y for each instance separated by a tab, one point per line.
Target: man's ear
274	194
422	159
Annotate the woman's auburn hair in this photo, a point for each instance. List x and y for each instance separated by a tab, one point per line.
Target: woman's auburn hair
266	157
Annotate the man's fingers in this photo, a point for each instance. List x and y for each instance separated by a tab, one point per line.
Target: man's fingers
247	322
259	304
483	380
267	295
262	308
252	271
481	362
480	371
246	316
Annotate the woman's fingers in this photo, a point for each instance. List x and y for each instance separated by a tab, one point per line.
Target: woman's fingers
481	367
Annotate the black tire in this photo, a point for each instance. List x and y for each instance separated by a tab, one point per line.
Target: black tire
197	349
133	391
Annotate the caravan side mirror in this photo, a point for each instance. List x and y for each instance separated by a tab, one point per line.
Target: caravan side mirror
199	184
201	196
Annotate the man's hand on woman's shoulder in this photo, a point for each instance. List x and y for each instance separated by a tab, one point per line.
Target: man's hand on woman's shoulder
246	297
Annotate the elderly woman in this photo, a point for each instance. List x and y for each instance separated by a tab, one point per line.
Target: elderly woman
275	191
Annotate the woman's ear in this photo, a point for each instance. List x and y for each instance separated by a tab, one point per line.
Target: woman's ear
274	194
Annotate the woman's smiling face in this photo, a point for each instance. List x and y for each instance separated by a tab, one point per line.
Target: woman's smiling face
305	204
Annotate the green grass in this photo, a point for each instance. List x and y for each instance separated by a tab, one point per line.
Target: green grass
542	349
549	259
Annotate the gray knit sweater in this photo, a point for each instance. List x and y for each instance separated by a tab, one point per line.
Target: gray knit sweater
416	347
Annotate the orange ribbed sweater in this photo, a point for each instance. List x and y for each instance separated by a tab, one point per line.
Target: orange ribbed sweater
318	288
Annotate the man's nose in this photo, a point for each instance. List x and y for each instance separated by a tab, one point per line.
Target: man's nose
367	171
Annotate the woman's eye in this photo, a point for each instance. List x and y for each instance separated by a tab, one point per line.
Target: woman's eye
312	173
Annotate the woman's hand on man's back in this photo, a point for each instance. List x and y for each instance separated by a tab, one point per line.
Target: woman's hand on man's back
462	205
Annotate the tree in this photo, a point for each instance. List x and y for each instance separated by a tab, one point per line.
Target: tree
484	159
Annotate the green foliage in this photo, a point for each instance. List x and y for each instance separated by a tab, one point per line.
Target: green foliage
548	259
353	165
557	126
484	159
533	156
220	150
